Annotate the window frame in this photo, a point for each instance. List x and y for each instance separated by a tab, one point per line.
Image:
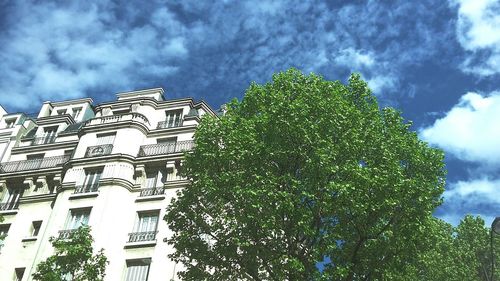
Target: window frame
72	224
144	262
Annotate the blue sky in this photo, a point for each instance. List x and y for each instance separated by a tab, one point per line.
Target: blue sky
437	61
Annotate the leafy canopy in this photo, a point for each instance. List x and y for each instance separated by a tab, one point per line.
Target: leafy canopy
461	253
304	179
73	259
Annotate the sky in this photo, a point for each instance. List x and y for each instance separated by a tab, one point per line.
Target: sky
436	61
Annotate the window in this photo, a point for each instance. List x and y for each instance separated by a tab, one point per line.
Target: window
156	177
35	156
10	200
77	218
35	228
145	227
49	134
173	118
121	111
167	144
75	112
105	138
19	273
4	230
147	221
138	270
91	181
61	111
9	123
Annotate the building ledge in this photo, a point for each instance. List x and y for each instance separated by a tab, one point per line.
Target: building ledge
150	198
142	244
8	212
83	195
29	239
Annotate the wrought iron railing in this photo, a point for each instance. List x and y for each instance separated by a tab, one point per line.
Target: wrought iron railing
142	236
152	191
9	206
118	118
98	150
86	188
165	148
169	124
44	140
33	164
65	234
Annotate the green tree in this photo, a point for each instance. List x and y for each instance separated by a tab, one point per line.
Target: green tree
461	253
73	259
301	171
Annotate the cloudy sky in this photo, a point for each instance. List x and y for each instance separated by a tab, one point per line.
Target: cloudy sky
437	61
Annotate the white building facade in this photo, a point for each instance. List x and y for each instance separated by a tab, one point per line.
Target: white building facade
113	166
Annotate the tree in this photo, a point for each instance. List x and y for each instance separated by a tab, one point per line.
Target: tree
304	179
450	253
73	259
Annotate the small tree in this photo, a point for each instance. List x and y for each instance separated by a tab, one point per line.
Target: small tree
73	259
304	172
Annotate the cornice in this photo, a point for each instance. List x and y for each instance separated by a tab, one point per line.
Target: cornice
173	130
54	120
44	147
37	198
113	126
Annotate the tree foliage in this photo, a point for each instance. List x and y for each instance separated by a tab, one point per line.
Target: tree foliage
461	253
73	259
300	172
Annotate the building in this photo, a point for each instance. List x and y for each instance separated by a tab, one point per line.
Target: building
113	166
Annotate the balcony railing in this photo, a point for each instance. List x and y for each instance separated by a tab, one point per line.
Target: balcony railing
98	150
65	234
86	188
44	140
169	124
142	236
33	164
165	148
118	118
9	206
152	191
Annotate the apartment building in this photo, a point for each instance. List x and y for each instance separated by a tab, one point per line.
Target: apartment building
112	166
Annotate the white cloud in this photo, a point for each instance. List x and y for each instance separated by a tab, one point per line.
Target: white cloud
480	196
470	130
478	31
58	52
470	190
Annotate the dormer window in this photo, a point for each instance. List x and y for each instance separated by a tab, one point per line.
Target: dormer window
173	118
75	112
9	123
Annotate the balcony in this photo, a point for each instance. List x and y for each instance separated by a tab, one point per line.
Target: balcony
131	116
44	140
152	191
33	164
86	188
65	234
169	124
9	206
142	236
165	148
98	150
